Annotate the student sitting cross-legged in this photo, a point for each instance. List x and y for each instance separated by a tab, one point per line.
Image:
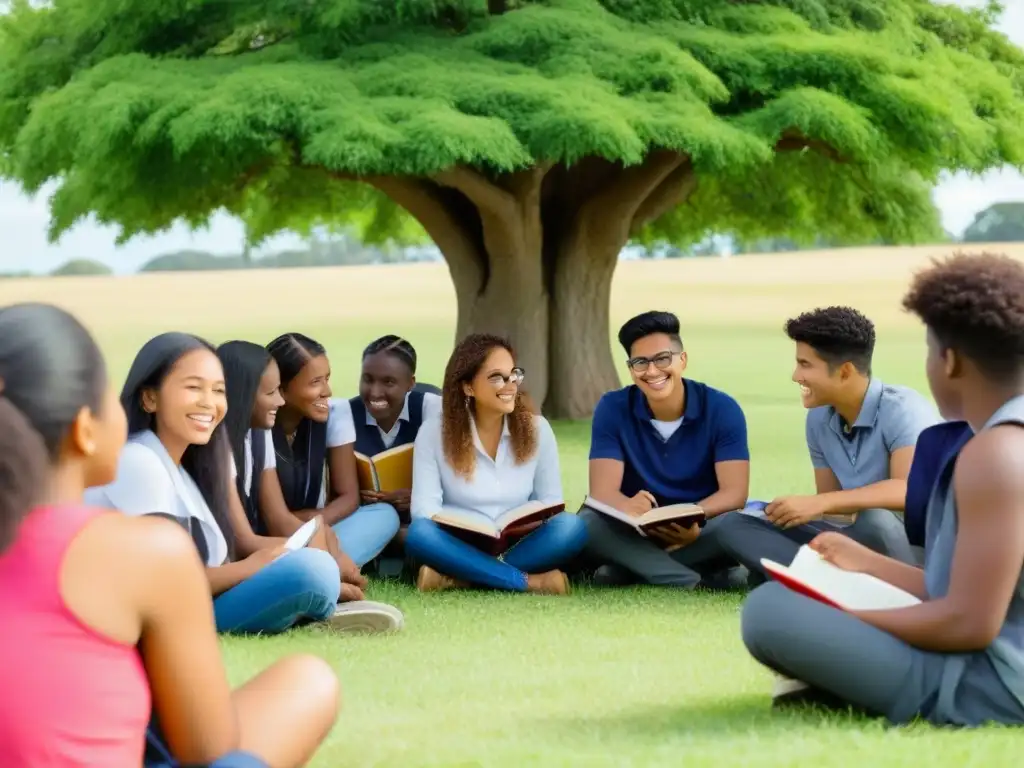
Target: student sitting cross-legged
861	435
663	440
314	438
107	618
957	656
388	411
485	454
178	464
253	384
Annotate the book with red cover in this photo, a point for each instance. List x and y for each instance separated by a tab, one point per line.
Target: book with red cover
495	536
811	575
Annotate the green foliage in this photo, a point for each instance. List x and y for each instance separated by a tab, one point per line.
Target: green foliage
81	267
148	113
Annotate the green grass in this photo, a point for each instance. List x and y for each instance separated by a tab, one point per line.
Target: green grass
637	677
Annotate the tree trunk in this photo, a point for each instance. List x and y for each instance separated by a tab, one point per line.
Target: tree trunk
581	364
532	259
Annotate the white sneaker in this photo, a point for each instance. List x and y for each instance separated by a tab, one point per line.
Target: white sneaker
366	616
786	686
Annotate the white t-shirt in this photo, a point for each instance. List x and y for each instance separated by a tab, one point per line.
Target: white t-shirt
431	410
341	430
667	428
148	483
269	457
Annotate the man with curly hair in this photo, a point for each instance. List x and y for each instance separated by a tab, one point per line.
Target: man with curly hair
860	434
957	656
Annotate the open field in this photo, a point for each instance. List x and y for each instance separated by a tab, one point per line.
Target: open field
631	678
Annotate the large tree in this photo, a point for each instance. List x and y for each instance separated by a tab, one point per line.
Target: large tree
530	140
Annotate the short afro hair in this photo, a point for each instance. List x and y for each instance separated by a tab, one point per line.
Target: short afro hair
974	303
837	334
647	324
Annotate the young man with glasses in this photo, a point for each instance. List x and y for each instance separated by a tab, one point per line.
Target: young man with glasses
663	440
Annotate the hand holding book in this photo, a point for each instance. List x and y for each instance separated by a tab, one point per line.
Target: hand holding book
843	552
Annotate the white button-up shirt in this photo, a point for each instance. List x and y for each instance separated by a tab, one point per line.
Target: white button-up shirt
496	486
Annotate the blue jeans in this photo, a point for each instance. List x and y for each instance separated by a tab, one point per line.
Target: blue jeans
364	534
549	546
304	584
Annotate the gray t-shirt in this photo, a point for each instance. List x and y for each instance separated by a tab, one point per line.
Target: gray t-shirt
890	418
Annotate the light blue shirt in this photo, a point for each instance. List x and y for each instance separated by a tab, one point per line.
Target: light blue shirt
496	486
890	418
149	482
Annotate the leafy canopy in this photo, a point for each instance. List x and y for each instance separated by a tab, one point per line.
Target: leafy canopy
147	112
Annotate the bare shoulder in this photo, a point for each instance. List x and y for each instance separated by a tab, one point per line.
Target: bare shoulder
145	545
993	460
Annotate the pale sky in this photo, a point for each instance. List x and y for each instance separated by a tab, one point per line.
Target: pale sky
23	221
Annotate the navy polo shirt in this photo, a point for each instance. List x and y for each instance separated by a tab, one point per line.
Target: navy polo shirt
680	469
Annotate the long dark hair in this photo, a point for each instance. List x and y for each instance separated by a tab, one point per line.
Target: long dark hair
292	351
50	368
244	364
207	465
466	361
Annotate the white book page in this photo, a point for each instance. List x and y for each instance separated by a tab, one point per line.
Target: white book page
853	591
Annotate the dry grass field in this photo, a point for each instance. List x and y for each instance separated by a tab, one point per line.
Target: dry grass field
637	677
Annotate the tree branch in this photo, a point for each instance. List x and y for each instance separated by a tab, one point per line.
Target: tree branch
673	191
421	199
484	194
793	140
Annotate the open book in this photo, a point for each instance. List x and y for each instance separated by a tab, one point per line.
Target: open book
495	534
817	578
681	514
387	471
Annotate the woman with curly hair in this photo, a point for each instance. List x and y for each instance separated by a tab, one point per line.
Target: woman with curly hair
957	656
488	452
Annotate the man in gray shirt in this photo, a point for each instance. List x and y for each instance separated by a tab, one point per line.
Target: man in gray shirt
861	435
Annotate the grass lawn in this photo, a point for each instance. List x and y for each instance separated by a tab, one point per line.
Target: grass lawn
637	677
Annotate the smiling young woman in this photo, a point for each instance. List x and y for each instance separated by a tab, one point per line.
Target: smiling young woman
107	617
178	464
488	453
314	439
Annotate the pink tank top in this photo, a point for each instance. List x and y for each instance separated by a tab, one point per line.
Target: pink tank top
68	696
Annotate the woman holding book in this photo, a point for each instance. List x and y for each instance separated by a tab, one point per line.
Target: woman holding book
487	455
956	654
177	464
253	385
314	438
388	412
107	618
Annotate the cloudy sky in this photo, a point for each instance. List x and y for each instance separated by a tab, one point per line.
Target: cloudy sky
23	221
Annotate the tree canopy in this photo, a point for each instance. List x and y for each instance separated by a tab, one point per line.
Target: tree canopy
529	140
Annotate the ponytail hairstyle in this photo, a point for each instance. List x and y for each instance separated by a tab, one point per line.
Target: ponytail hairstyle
292	351
208	464
244	364
50	369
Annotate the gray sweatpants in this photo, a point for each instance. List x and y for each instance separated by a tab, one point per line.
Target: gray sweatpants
833	651
747	539
610	542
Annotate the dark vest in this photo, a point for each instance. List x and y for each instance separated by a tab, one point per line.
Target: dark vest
251	498
368	439
300	466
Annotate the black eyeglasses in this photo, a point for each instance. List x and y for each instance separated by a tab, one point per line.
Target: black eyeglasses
661	361
498	380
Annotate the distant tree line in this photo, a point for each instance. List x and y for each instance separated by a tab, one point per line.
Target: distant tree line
999	223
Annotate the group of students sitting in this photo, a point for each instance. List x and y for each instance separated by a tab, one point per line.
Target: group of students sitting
228	451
